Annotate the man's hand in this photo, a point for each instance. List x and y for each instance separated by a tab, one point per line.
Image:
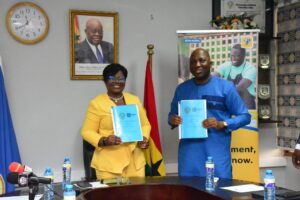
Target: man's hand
143	144
296	158
175	120
213	123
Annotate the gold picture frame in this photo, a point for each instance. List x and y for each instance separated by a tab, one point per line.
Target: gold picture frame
2	185
93	43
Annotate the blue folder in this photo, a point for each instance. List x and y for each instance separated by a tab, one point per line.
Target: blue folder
192	113
126	123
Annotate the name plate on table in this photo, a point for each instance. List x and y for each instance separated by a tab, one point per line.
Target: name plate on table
126	123
192	113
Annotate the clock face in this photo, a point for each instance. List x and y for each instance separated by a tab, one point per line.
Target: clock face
27	22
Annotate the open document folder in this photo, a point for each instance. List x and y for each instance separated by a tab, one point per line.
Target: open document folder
192	113
126	123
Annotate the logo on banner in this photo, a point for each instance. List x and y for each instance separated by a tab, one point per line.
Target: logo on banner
230	4
247	41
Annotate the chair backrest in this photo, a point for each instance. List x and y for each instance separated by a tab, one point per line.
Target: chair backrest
88	151
2	185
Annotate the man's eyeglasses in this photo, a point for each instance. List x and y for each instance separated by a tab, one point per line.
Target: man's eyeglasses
116	79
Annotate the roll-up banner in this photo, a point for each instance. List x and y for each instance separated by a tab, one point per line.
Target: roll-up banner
223	46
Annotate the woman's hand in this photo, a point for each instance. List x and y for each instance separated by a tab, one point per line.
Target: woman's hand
112	140
175	120
143	144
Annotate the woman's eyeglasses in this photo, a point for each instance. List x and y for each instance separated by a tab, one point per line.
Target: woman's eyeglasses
113	79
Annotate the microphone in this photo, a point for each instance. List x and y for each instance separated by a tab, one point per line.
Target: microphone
26	179
17	167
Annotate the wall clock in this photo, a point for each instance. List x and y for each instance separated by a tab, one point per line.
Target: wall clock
27	23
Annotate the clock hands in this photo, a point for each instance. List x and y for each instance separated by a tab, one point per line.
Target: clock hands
27	21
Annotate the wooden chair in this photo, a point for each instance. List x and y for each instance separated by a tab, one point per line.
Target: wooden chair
88	151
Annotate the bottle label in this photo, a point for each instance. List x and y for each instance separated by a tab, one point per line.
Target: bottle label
67	165
270	185
268	181
209	165
69	197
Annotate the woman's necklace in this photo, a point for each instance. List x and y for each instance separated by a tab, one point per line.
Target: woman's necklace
116	99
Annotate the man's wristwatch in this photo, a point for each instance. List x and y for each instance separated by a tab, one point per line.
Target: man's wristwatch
225	124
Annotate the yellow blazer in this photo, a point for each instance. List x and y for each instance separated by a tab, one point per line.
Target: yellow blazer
98	123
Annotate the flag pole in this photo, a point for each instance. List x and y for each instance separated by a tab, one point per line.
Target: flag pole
150	52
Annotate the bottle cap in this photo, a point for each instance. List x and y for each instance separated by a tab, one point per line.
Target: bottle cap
269	172
209	158
67	159
69	186
48	170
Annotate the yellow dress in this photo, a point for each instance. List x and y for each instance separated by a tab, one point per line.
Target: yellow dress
98	123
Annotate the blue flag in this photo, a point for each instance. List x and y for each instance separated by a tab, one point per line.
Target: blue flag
9	151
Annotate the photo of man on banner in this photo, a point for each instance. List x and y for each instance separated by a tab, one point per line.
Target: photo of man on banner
241	73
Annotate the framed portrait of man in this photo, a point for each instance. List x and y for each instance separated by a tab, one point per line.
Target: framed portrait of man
93	43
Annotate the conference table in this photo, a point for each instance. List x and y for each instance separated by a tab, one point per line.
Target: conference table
168	188
156	188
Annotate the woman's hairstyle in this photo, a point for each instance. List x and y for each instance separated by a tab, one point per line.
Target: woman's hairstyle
112	69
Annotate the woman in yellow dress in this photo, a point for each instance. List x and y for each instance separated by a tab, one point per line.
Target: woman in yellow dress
112	158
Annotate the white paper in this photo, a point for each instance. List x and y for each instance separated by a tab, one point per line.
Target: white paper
97	184
244	188
37	197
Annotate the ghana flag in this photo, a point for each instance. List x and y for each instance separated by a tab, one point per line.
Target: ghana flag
155	164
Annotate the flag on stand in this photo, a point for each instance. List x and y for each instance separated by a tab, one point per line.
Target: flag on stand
155	164
9	151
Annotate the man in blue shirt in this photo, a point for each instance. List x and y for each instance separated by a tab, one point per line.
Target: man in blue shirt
241	73
223	101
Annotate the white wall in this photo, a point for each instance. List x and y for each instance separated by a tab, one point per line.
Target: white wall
48	108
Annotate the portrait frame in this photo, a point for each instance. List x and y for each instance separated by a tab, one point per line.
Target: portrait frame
89	70
268	21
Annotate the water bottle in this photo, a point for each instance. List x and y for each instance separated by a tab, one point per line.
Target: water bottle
69	192
209	184
66	172
48	188
269	186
